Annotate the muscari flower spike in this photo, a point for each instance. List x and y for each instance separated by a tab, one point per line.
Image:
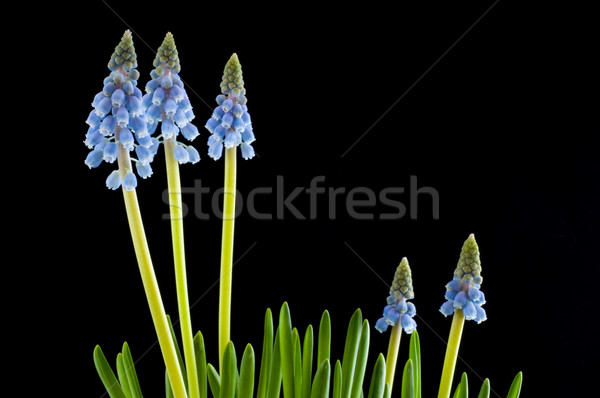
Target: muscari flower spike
118	120
463	291
230	124
167	102
399	309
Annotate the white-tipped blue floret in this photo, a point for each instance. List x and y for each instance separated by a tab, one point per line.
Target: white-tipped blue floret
137	93
190	132
118	97
99	97
147	101
185	105
408	324
145	141
220	131
401	306
227	120
242	100
460	300
94	158
473	293
154	114
193	154
218	113
411	310
381	325
154	146
126	139
168	129
170	107
447	308
107	127
247	151
143	170
248	136
144	154
180	154
139	127
129	181
220	98
211	124
111	150
158	96
134	106
227	105
122	117
481	315
93	138
238	125
103	107
166	82
109	89
450	294
128	88
469	311
190	115
178	95
113	181
180	118
215	150
237	110
391	315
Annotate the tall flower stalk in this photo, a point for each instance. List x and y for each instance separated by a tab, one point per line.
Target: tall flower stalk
117	117
167	103
399	314
230	126
464	299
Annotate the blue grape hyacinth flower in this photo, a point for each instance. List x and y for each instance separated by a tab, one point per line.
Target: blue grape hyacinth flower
166	102
463	291
399	309
230	124
117	124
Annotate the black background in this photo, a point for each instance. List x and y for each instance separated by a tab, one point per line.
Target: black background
497	121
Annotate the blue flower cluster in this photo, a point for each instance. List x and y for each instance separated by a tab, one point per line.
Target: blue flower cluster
463	291
398	308
230	124
166	101
118	120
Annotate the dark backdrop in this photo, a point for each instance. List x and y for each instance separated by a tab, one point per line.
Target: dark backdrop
484	103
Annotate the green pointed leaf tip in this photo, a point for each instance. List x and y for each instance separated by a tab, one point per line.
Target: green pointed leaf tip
124	54
246	383
132	379
463	388
469	263
106	374
233	80
515	388
484	392
402	285
287	351
167	55
408	381
377	386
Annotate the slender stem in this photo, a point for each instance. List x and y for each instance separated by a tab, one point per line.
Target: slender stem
175	206
227	251
149	281
392	355
451	354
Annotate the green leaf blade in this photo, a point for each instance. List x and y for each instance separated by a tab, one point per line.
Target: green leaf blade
484	392
324	343
320	387
515	388
351	352
287	351
377	387
408	381
246	383
107	375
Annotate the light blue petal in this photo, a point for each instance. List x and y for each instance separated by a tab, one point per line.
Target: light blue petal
237	110
190	132
94	158
134	106
227	105
447	308
93	138
126	139
247	151
411	310
122	117
402	307
147	101
143	170
129	181
453	286
469	311
170	107
145	141
166	82
178	94
242	100
118	97
185	105
109	88
450	295
193	154
107	127
158	96
238	125
180	118
460	300
248	136
168	129
391	315
381	325
220	99
474	293
139	127
211	124
218	113
99	97
111	150
128	88
103	107
215	150
144	154
114	180
220	131
227	120
180	154
481	315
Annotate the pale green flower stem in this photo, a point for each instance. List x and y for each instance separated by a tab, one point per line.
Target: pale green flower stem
175	206
149	281
456	329
227	251
392	355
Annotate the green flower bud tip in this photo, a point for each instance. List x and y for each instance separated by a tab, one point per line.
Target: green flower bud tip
233	81
402	285
167	54
469	264
124	54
